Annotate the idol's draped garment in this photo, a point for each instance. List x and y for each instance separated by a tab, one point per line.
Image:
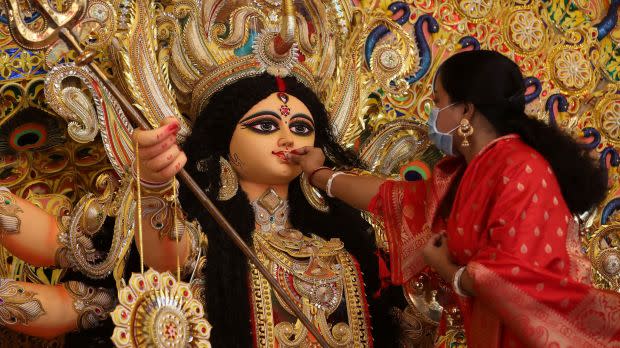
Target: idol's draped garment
510	225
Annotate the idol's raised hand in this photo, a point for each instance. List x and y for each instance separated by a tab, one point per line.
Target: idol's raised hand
161	157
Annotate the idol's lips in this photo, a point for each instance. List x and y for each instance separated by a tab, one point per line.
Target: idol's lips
281	155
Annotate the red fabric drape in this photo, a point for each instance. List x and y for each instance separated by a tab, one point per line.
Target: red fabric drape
511	227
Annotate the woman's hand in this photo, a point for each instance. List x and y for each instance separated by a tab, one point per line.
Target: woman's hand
161	157
309	158
437	255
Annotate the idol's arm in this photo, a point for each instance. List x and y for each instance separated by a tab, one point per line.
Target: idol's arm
159	160
163	223
35	309
48	311
27	231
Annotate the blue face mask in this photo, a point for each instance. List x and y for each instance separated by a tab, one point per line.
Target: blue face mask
443	141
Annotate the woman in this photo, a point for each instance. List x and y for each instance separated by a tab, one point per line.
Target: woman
496	220
253	124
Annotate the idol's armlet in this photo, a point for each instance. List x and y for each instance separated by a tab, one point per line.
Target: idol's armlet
27	231
164	227
43	310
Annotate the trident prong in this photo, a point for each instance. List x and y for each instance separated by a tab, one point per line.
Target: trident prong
55	20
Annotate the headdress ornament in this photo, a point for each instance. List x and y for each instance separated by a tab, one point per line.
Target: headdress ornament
179	54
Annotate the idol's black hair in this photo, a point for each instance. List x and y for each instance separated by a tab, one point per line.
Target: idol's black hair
226	273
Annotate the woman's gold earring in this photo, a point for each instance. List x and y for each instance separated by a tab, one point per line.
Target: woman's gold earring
228	181
465	130
313	196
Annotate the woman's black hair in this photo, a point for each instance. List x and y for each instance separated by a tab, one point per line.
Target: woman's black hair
494	85
226	274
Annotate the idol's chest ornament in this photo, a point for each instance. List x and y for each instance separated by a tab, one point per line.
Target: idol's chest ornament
313	273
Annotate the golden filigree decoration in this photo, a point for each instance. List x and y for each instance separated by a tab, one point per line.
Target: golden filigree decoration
475	10
569	64
318	275
18	306
525	31
9	221
607	117
156	310
91	304
604	252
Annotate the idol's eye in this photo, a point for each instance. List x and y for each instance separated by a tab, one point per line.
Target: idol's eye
263	126
301	128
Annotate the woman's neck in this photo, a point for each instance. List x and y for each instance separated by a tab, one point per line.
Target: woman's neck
484	133
476	145
254	190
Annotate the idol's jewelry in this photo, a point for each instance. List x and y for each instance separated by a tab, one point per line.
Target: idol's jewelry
201	165
228	181
456	282
197	244
159	203
312	194
465	130
9	221
330	181
93	305
270	211
285	110
63	258
17	306
74	237
167	312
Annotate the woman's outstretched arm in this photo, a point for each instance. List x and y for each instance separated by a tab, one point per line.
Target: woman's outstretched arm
355	190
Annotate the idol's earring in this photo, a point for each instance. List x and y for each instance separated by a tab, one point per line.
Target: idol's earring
313	195
465	130
201	165
228	181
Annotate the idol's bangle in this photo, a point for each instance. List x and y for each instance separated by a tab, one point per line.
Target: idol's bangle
159	205
9	220
156	189
314	172
19	306
196	251
92	305
456	282
330	182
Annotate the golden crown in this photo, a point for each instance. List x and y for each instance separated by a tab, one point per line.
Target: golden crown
178	54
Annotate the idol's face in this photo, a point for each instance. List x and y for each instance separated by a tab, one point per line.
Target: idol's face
271	129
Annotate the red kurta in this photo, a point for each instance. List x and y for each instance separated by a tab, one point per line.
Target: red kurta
510	225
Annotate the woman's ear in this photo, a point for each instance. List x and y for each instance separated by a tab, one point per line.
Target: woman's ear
468	110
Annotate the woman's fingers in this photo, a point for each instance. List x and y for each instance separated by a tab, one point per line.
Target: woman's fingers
434	241
302	150
296	156
308	157
296	159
